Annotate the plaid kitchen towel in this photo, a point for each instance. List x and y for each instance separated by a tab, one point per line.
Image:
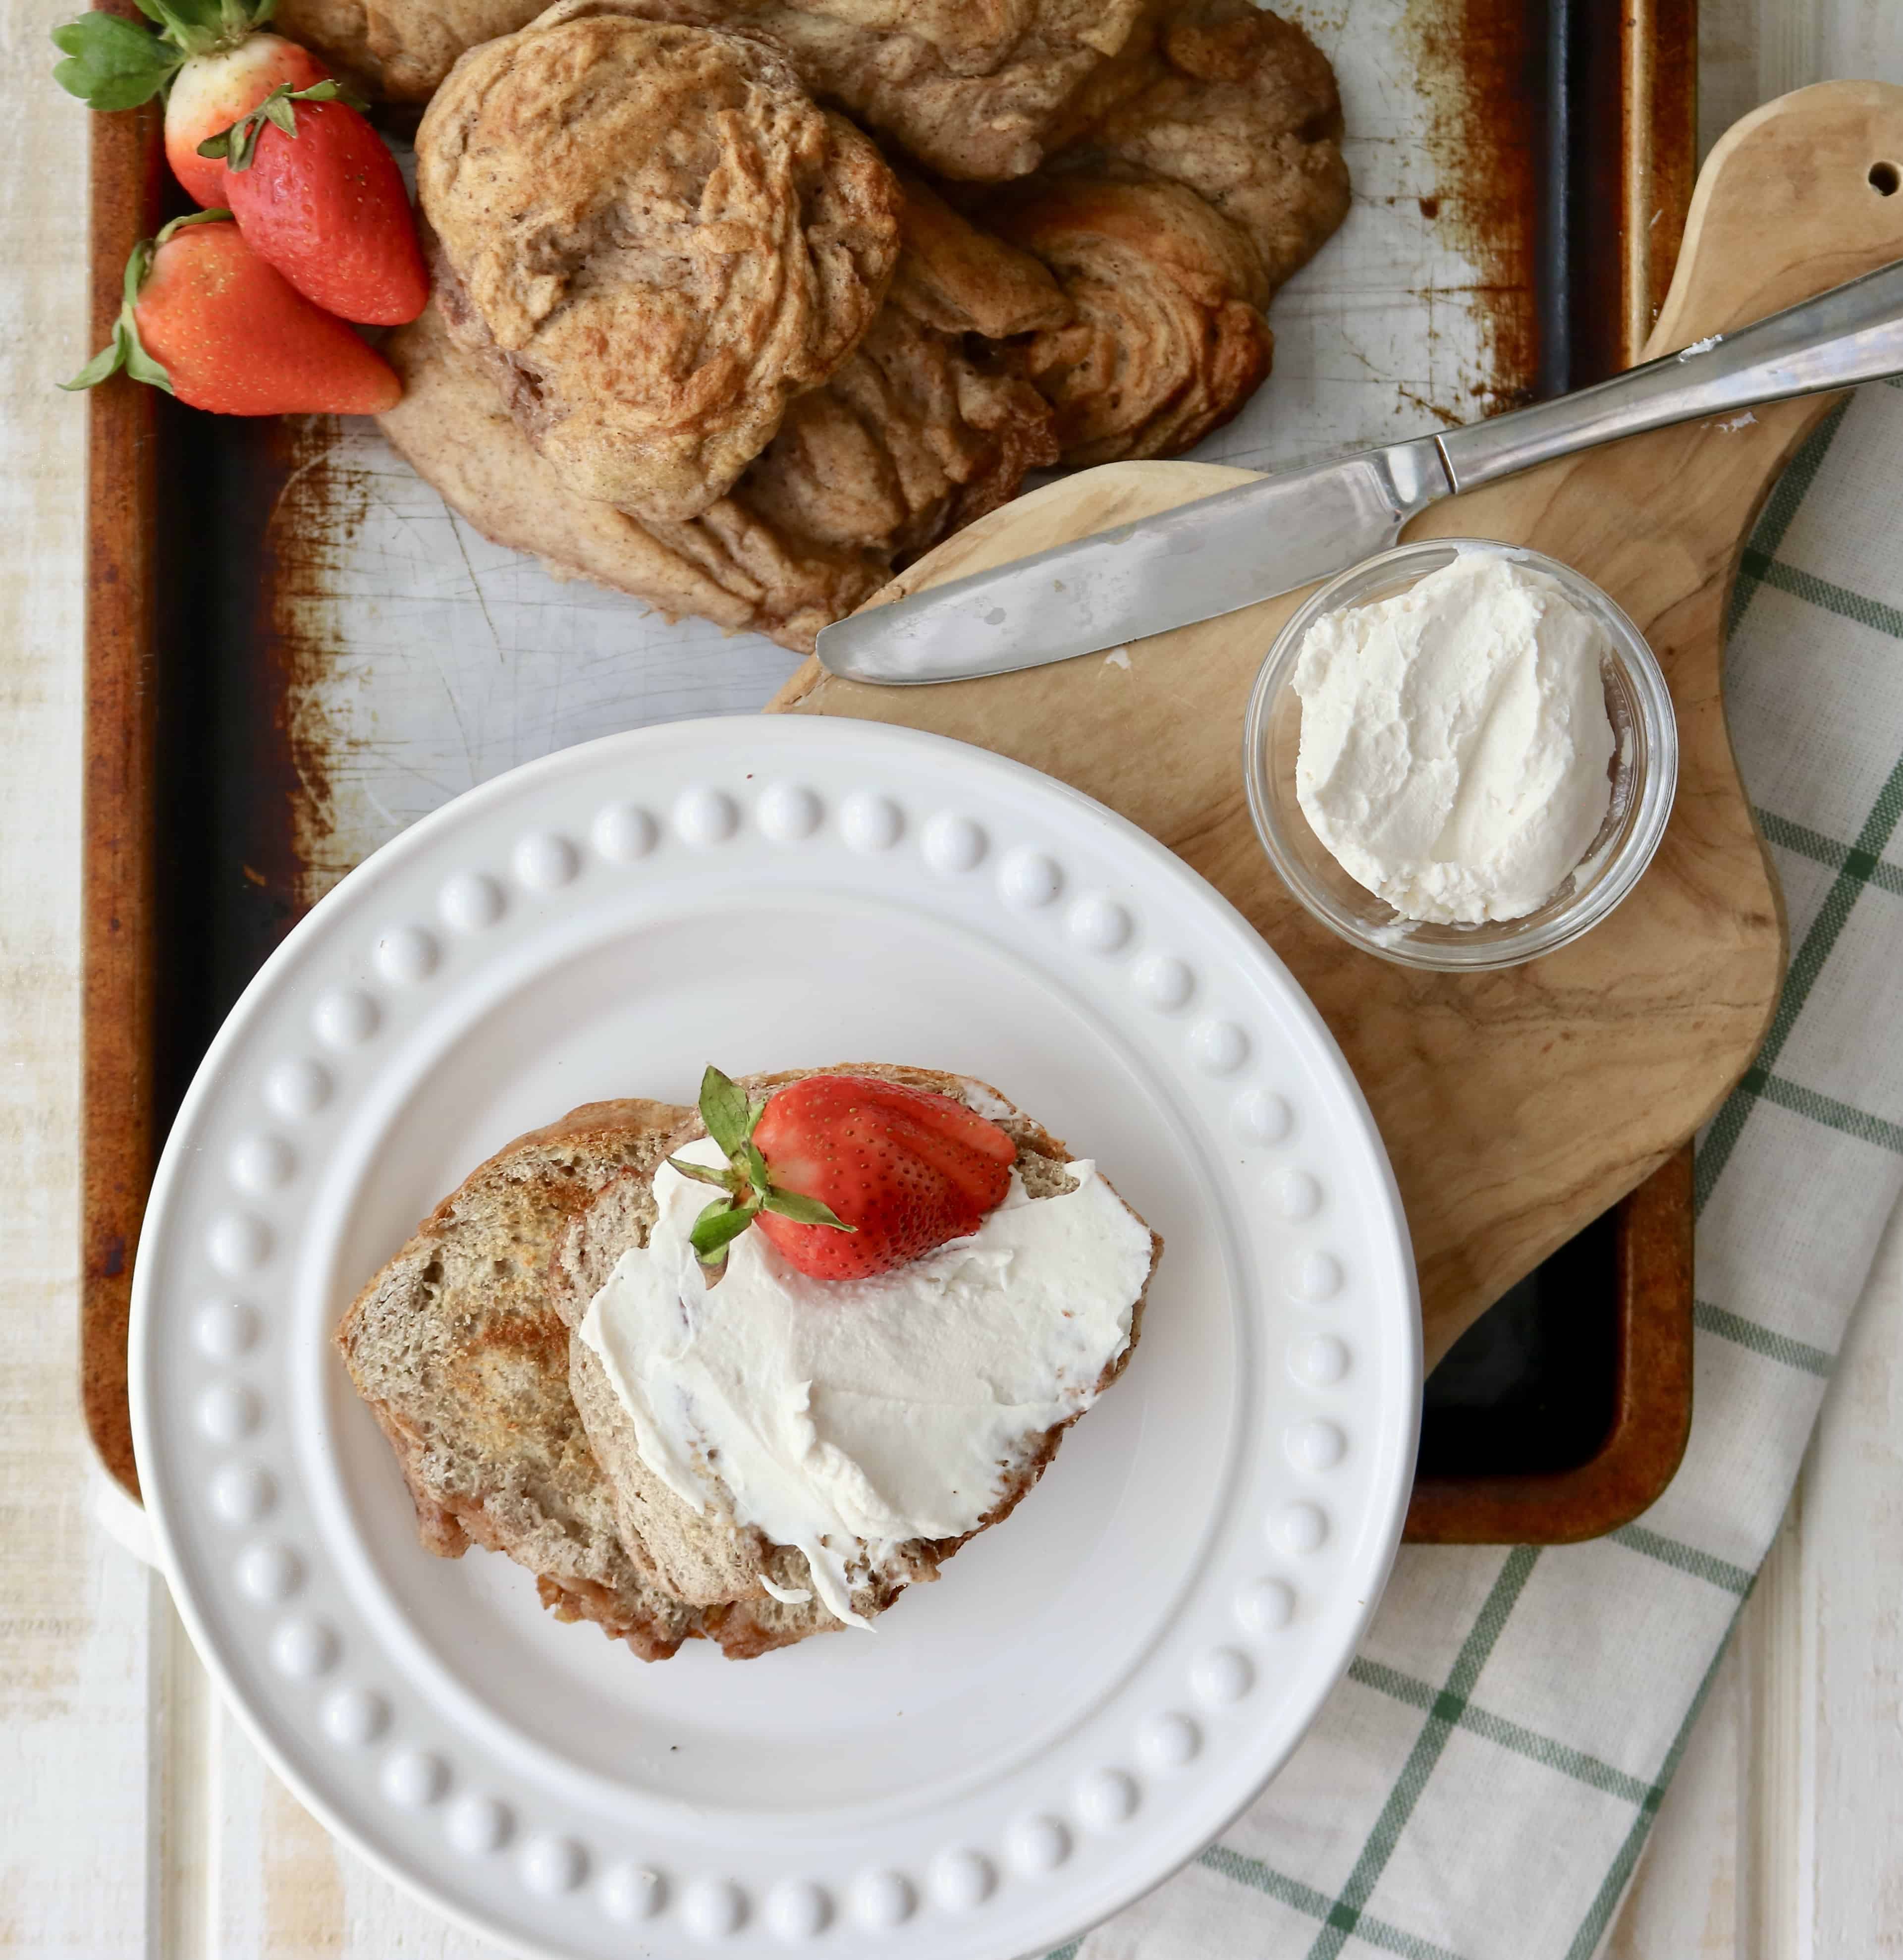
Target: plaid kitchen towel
1480	1785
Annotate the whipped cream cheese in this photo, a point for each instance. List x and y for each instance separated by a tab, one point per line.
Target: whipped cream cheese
1455	743
845	1418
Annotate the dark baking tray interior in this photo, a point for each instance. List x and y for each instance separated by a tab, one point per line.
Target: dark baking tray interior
1534	1388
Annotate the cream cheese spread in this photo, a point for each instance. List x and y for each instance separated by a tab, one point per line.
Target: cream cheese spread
845	1418
1455	742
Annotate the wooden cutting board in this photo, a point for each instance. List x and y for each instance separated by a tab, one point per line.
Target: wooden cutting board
1517	1105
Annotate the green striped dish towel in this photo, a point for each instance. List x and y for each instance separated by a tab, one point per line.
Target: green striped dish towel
1480	1785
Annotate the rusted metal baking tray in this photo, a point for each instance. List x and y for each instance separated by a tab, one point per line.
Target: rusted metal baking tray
282	668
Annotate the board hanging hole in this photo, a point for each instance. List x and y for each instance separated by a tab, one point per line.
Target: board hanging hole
1886	180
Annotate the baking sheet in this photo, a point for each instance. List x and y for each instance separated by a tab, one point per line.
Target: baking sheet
423	659
309	653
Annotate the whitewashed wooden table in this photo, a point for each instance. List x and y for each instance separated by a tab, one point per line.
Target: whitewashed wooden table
135	1818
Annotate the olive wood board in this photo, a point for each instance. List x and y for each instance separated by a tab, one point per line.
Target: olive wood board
1517	1105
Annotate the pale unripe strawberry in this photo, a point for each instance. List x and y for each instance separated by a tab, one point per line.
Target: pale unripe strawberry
210	91
255	125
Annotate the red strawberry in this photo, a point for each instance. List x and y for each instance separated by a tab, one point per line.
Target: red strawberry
206	53
207	319
255	124
211	92
317	194
847	1175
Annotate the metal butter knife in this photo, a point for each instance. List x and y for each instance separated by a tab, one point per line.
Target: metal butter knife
1226	551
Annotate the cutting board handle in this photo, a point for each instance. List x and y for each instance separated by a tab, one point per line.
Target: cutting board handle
1798	196
1516	1106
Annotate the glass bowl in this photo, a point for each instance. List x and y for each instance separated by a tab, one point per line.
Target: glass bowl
1644	771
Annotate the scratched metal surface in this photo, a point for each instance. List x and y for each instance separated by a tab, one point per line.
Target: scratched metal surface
417	660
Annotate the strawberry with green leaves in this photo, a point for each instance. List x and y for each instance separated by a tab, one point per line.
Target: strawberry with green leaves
316	192
208	58
206	319
847	1176
256	125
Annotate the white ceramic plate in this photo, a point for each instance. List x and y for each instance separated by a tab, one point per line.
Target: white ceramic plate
1093	1691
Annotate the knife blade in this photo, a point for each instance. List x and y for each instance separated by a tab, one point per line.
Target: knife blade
1228	551
1199	560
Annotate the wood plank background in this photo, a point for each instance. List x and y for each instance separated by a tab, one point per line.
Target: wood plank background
135	1820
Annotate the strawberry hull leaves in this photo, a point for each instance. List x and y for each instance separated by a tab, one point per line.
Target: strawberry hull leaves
847	1176
125	349
238	145
317	193
208	320
730	1121
199	26
721	1222
729	1117
801	1209
113	63
910	1168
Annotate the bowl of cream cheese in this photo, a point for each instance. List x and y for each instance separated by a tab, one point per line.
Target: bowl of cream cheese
1460	754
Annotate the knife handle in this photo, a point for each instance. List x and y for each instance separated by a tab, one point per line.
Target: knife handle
1852	333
